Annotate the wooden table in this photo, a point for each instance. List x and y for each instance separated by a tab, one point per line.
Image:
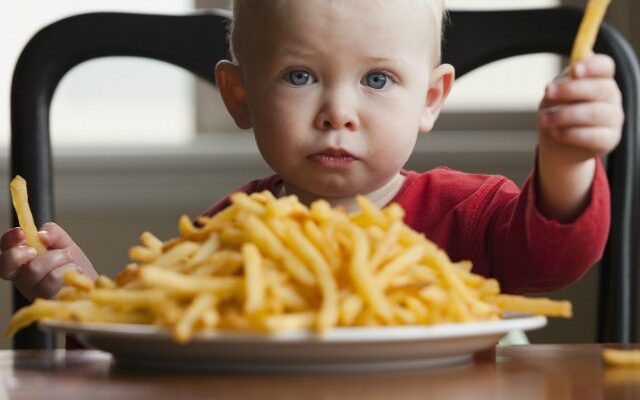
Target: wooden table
518	372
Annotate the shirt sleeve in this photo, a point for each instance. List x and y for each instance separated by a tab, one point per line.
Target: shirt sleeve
528	252
269	183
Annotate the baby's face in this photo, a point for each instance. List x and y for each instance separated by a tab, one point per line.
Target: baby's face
337	91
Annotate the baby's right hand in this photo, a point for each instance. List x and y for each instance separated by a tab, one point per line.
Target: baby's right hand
41	275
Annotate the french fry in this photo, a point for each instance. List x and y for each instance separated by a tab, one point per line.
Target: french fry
87	311
26	316
588	31
364	279
466	297
246	203
142	254
254	283
184	285
104	282
291	299
78	281
207	248
292	321
542	306
150	241
621	357
223	262
189	231
395	267
128	299
373	213
209	318
382	249
418	308
329	309
178	253
328	247
269	243
20	200
350	306
184	328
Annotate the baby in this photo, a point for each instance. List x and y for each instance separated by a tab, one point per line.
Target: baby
336	93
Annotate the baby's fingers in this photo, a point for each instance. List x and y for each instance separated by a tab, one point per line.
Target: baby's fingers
575	90
595	66
13	259
587	114
595	140
11	238
54	237
29	276
51	284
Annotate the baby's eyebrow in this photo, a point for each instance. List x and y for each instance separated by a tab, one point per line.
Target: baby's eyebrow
303	52
294	51
396	62
375	59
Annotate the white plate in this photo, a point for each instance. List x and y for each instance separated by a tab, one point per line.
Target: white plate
338	350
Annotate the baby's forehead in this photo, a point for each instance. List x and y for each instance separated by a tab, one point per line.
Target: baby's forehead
252	10
259	20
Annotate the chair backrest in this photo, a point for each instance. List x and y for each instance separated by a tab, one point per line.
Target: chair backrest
196	42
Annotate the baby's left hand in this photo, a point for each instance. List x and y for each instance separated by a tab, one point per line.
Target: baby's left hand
581	115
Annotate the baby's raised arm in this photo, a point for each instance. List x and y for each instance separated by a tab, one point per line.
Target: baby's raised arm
580	118
41	275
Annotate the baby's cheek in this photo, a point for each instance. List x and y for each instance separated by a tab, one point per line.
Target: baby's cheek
395	149
278	148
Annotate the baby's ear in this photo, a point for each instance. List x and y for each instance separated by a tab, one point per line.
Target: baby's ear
231	85
440	84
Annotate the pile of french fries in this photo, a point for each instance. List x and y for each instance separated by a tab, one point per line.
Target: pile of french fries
265	264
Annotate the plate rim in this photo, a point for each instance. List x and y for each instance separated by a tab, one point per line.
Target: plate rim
515	321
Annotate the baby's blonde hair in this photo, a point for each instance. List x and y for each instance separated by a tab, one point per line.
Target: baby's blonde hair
241	12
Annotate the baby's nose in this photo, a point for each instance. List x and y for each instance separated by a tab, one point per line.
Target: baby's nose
336	115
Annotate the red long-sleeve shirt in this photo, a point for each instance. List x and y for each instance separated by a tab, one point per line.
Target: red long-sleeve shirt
487	219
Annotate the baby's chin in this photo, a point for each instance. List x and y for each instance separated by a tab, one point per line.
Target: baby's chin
330	188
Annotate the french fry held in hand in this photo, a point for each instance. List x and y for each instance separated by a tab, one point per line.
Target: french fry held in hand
588	31
266	264
20	200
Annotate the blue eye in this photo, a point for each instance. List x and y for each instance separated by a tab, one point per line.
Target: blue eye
300	77
376	80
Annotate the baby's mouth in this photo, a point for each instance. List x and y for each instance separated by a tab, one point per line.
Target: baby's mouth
333	158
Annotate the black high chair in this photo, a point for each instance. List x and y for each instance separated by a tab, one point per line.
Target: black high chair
196	42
